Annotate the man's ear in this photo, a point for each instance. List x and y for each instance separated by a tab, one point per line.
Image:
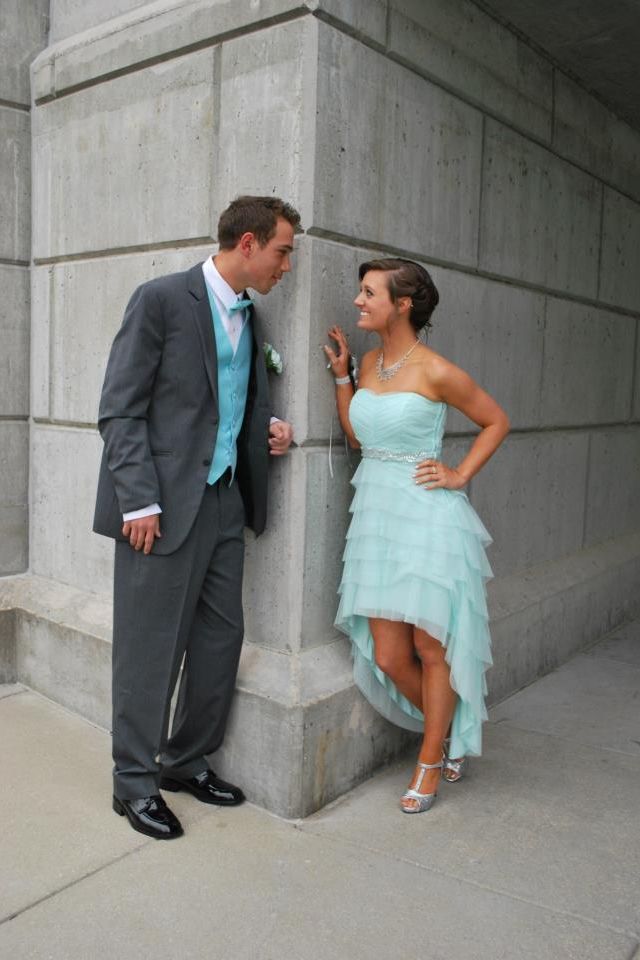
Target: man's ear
246	244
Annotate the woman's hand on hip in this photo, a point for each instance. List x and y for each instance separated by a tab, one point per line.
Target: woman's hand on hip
434	473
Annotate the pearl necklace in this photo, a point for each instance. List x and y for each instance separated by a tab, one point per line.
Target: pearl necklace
386	374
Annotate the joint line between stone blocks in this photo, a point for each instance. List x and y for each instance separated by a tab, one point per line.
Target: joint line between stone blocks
7	262
332	21
125	251
14	105
174	54
362	242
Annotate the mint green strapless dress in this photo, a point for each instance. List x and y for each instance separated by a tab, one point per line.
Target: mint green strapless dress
414	555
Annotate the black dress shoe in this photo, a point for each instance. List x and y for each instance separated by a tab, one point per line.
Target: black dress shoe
206	787
151	816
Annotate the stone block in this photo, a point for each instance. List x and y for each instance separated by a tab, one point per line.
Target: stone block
23	35
623	645
67	665
588	365
262	727
344	741
403	168
77	320
8	672
587	133
108	175
544	615
14	483
266	86
41	283
463	48
63	483
69	17
147	32
619	268
14	336
366	19
531	497
326	521
15	179
540	219
322	736
272	578
493	331
613	505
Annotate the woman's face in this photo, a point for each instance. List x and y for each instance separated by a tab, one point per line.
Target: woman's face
377	312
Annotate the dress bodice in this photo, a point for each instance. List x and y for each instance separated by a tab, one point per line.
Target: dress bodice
398	423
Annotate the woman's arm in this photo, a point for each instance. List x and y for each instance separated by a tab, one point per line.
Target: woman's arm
457	389
339	360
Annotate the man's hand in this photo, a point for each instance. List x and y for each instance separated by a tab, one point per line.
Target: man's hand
280	437
143	532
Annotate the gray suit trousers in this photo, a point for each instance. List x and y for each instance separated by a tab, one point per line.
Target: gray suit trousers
185	605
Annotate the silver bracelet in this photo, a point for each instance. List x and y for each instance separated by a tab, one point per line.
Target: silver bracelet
341	381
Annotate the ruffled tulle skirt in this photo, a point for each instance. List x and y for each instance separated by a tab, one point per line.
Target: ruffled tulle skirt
417	556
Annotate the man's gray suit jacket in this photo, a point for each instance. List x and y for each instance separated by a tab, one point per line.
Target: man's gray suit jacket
159	413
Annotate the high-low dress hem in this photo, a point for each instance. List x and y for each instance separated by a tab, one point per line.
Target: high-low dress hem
415	556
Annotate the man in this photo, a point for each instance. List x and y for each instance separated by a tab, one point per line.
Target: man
185	419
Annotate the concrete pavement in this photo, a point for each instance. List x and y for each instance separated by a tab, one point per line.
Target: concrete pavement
535	855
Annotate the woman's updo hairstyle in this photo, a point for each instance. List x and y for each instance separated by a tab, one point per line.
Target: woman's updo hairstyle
405	278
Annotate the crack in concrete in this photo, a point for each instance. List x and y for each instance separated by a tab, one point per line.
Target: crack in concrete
144	845
632	934
70	884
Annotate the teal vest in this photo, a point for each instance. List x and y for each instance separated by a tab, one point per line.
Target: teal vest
233	383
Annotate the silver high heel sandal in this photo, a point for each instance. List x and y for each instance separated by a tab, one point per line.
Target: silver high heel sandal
424	801
453	770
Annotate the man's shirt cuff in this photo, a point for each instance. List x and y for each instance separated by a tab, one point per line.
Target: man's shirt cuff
143	512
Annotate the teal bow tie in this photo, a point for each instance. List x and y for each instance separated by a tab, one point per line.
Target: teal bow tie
239	305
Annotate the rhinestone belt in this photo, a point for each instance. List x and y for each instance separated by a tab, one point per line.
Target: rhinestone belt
377	453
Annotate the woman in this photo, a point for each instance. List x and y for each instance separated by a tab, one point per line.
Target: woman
412	596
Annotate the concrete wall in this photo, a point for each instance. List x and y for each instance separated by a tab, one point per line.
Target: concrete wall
415	126
23	32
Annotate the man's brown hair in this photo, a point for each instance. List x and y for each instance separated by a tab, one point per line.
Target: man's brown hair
256	215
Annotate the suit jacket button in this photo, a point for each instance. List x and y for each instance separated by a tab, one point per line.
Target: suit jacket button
206	463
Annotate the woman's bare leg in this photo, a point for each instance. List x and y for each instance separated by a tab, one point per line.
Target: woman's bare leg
439	700
395	654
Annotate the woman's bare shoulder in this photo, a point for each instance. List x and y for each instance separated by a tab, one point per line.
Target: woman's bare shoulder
436	366
439	372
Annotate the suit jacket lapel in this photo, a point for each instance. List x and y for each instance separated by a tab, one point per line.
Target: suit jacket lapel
262	386
204	326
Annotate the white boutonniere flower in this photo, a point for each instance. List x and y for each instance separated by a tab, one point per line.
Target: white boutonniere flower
273	359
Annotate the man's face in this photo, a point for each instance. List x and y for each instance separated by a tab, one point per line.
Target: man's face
266	265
